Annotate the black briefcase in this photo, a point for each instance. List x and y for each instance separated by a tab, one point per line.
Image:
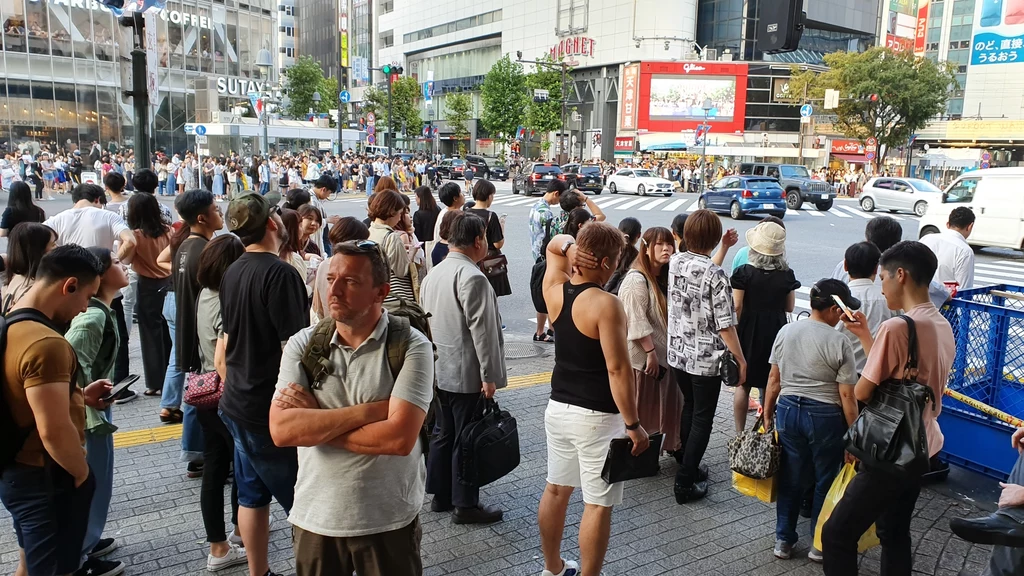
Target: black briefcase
490	446
621	465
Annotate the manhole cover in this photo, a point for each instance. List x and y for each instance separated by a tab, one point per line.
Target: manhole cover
516	350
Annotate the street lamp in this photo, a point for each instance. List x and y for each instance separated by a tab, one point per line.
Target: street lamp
708	105
562	156
316	101
265	63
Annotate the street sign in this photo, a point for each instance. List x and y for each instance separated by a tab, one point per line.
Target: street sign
540	95
190	129
371	118
324	145
200	130
344	97
201	140
371	129
371	139
831	99
986	159
872	143
806	110
869	155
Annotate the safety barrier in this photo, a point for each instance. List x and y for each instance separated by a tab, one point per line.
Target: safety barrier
988	327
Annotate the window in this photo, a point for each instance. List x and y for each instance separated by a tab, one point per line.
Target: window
758	170
387	39
572	17
387	6
962	191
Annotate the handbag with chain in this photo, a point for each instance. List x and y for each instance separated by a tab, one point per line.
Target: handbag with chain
755	453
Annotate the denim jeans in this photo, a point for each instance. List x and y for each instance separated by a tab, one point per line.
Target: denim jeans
174	385
369	185
811	434
264	188
263	470
100	455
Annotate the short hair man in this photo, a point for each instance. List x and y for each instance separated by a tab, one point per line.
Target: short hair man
324	186
465	319
861	263
48	488
907	269
360	489
955	255
87	224
544	225
263	304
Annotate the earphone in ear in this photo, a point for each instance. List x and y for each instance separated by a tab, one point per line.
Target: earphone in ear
72	288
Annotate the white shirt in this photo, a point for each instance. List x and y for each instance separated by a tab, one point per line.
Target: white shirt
956	258
937	291
87	227
875	309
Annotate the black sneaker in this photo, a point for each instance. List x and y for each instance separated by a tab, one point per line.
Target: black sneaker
194	470
103	547
690	493
97	567
125	397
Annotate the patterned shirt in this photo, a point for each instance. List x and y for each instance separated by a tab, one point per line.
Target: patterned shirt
540	216
699	307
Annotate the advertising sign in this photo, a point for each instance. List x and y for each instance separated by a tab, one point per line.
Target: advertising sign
921	34
847	147
630	97
672	96
683	98
152	59
623	143
998	33
901	25
343	31
780	90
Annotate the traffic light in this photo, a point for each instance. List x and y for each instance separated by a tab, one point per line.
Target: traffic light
780	25
873	98
392	72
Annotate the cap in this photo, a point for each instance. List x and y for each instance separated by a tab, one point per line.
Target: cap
247	213
767	238
824	289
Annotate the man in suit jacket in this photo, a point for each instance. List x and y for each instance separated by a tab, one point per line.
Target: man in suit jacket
466	327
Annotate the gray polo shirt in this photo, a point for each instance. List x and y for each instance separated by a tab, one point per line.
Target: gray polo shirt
813	357
342	494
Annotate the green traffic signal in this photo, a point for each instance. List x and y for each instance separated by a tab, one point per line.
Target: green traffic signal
386	69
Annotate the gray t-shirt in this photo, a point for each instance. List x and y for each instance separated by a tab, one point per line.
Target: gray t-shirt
341	494
812	357
209	326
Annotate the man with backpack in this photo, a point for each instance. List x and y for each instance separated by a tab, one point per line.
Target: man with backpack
543	226
352	394
46	483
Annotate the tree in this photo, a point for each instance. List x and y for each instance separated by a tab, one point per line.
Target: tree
458	110
911	92
300	82
504	98
405	92
545	117
329	97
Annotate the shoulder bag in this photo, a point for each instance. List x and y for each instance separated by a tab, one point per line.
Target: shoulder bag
537	273
495	264
490	446
755	453
889	435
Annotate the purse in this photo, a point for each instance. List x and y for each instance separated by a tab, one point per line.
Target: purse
755	453
889	434
490	446
203	390
620	464
494	266
729	368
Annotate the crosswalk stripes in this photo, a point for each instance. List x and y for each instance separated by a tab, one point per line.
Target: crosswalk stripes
855	212
606	202
999	272
675	205
653	204
838	213
693	207
635	202
815	213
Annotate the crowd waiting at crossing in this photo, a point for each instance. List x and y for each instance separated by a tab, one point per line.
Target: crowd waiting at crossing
333	365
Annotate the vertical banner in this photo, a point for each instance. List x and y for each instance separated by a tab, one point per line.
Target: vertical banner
630	95
343	33
921	35
152	58
998	32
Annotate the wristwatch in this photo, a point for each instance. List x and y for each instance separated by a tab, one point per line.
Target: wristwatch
633	426
565	247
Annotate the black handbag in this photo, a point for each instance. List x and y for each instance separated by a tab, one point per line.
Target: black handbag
490	446
889	435
621	465
729	368
537	274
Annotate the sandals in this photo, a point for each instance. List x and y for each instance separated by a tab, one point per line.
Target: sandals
148	392
174	416
545	337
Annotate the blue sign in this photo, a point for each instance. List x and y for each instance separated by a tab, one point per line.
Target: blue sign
344	97
806	110
989	48
200	130
428	90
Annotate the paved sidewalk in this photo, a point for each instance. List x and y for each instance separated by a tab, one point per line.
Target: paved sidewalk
155	514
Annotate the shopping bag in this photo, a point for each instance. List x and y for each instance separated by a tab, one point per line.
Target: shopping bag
764	490
869	539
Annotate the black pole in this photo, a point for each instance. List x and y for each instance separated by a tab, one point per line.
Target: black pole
140	104
390	119
561	143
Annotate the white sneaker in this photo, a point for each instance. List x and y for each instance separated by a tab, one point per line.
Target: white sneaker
234	557
569	568
234	538
815	555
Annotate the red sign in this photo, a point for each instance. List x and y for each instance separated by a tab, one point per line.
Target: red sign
623	143
897	44
921	36
630	97
577	46
729	96
847	147
871	144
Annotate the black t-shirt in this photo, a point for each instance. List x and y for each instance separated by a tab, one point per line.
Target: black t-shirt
9	219
423	222
184	270
263	303
493	226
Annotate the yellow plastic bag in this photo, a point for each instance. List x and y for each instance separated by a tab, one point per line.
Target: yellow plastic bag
869	539
763	490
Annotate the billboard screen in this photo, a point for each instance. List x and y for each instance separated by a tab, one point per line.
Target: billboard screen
681	98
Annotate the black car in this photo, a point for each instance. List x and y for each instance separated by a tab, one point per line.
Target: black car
584	177
451	168
487	168
535	178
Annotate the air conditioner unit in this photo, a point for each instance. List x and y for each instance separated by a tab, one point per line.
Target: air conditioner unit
710	54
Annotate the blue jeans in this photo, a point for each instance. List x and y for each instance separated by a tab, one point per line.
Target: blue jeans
100	455
264	188
811	434
369	185
161	187
262	470
174	384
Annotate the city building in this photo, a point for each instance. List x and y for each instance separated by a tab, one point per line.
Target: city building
287	31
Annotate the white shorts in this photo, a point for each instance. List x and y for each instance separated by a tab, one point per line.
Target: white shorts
578	442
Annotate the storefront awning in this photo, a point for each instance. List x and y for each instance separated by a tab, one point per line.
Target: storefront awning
664	142
854	158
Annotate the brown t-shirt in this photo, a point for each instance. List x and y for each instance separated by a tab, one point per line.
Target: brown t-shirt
37	355
147	250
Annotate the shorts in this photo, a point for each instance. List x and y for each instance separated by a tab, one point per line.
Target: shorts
578	441
50	516
263	471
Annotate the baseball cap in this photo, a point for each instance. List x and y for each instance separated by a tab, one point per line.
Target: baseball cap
248	213
824	289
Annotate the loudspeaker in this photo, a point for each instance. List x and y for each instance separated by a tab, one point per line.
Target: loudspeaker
780	25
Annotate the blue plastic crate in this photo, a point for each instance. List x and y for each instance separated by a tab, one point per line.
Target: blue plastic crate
989	367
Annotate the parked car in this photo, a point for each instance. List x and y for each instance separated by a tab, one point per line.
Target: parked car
487	168
535	177
743	195
451	168
796	181
640	181
584	177
895	194
994	196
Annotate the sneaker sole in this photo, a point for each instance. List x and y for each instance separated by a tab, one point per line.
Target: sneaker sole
101	553
131	398
226	565
116	571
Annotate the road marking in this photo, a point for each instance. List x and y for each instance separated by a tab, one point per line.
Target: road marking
839	213
604	203
991	281
521	202
504	199
1018	265
815	213
803	290
792	212
693	207
675	205
1015	273
653	204
864	215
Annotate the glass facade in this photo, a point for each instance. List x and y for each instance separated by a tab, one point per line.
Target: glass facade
60	77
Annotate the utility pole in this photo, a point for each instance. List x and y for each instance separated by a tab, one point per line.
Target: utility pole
139	92
800	144
388	70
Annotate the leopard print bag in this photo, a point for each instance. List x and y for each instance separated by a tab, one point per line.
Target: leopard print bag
755	453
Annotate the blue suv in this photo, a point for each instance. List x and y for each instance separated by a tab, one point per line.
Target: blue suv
742	195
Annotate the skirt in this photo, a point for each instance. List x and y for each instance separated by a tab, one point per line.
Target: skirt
659	405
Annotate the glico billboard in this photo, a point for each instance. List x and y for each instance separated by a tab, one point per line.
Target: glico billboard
672	95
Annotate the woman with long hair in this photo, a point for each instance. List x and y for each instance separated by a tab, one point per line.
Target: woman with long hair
347	228
578	218
28	243
425	218
644	294
385	183
631	229
312	220
152	235
292	249
20	208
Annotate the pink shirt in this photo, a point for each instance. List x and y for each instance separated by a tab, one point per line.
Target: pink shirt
936	351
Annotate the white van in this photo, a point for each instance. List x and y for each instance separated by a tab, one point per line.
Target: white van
996	195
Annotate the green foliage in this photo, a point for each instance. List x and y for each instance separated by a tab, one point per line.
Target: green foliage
458	111
300	82
405	92
546	117
911	90
504	98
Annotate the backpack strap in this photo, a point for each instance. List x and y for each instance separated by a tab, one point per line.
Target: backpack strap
397	343
910	370
316	358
